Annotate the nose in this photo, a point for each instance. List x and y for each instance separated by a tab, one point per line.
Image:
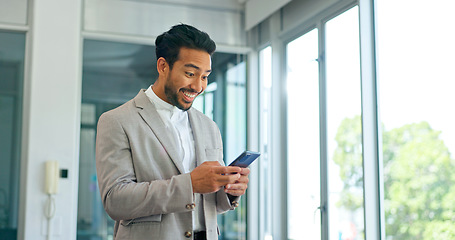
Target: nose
198	85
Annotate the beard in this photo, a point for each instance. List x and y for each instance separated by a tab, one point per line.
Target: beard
172	95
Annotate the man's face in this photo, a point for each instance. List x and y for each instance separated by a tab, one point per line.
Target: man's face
188	77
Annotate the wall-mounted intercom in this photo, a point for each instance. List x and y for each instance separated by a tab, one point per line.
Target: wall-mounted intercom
52	176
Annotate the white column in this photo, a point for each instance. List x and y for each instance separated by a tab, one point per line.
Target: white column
372	138
51	116
253	144
278	136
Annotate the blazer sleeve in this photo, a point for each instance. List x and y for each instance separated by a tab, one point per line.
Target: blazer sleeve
225	203
122	196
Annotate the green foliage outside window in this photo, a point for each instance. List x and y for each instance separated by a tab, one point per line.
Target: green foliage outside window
419	182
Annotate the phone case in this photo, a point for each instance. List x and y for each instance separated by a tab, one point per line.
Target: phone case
245	159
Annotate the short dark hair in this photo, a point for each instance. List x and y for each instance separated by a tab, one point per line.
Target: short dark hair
169	43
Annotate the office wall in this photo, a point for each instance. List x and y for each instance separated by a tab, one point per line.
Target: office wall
13	12
145	20
51	116
298	12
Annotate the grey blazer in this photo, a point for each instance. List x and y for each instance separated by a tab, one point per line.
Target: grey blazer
141	178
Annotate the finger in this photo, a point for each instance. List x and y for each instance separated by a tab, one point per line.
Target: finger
212	163
236	193
236	186
243	179
233	170
227	170
235	189
228	179
245	171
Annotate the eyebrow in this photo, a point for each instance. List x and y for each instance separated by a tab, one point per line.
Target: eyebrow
195	67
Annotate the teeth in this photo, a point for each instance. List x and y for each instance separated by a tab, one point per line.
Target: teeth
189	95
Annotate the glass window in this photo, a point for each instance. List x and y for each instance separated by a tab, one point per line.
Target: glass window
233	223
236	111
303	138
416	84
204	102
344	127
12	55
113	73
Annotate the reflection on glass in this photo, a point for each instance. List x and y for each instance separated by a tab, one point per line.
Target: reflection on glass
236	111
303	138
416	80
265	195
113	73
234	137
344	127
12	54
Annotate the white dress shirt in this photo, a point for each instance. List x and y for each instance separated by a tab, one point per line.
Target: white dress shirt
177	122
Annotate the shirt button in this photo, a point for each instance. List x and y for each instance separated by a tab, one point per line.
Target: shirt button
188	234
235	204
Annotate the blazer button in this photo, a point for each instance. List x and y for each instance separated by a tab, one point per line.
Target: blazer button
190	206
188	234
235	204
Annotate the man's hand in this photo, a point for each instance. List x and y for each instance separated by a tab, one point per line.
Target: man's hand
211	176
239	187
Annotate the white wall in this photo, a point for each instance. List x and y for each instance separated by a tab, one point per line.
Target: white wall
13	12
298	12
258	10
51	116
145	20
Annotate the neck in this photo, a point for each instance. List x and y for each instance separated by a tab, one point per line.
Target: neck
158	89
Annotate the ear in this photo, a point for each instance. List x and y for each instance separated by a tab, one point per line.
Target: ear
161	66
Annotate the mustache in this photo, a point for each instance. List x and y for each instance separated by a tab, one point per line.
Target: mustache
192	91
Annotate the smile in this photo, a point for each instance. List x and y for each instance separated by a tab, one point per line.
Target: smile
189	95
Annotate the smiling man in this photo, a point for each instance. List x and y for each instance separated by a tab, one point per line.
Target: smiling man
159	162
187	78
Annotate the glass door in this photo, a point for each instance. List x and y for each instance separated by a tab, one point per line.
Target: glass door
113	73
303	138
12	60
324	132
344	127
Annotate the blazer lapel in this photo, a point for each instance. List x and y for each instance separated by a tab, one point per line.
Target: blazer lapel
148	112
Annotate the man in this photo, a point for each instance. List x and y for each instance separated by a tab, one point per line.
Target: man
160	162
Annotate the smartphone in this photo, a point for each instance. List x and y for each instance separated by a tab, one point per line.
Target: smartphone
245	159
